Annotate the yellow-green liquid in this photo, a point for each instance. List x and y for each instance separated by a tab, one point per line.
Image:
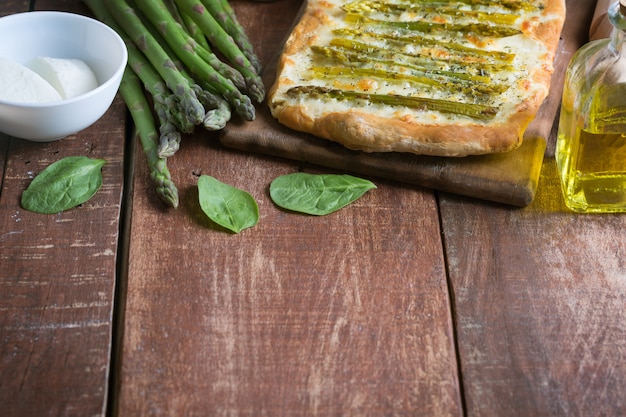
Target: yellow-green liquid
592	166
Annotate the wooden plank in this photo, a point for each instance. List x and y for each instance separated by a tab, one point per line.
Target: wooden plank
57	277
57	281
346	314
540	302
508	178
13	6
4	147
539	298
340	315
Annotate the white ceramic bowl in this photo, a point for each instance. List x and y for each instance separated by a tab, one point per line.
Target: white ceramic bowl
61	35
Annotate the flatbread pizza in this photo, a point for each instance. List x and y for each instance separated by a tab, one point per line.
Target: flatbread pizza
444	78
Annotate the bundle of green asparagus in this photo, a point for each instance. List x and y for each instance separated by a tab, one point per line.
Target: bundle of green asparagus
171	57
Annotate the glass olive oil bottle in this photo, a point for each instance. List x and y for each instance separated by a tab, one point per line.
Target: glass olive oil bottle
591	143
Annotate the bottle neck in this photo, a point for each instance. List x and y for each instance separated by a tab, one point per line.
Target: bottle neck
617	17
617	39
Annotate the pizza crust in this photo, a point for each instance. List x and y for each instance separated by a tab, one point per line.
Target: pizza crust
397	130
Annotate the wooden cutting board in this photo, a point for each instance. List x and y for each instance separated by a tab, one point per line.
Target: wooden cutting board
510	178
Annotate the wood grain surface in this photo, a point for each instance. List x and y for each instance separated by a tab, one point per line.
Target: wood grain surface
539	301
346	314
58	274
14	6
539	307
58	281
290	317
408	302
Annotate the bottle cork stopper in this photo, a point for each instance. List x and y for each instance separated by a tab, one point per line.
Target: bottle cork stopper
622	7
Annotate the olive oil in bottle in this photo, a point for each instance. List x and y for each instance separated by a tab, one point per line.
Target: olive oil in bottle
591	143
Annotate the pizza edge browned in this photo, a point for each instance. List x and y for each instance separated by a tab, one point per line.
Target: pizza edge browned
370	133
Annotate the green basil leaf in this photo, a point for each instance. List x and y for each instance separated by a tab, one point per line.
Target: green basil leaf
227	206
63	184
317	194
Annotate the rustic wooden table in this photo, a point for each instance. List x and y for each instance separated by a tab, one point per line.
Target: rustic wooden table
409	302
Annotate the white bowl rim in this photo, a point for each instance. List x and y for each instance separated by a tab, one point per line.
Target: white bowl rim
100	87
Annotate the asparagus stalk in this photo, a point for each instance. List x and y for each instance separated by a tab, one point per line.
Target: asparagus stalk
170	122
187	50
481	29
129	21
216	118
172	8
218	113
412	39
223	69
188	24
195	32
205	53
369	6
507	4
395	74
364	60
164	102
224	14
218	37
217	109
475	111
391	58
479	66
137	103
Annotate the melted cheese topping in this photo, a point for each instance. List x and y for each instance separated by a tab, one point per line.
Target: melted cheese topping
457	55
